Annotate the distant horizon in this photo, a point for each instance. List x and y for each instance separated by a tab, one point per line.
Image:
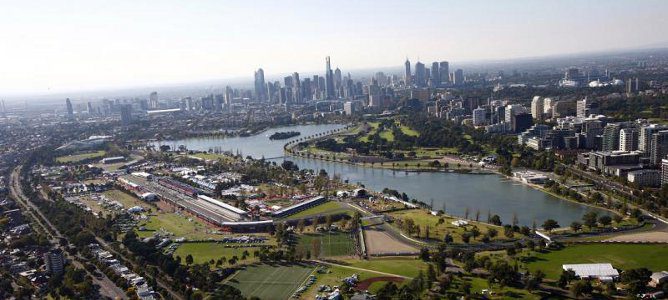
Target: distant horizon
246	81
77	46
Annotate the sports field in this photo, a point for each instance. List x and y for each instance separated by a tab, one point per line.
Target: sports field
205	252
81	156
270	282
621	256
330	244
327	208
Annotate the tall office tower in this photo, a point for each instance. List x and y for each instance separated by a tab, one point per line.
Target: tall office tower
337	79
3	108
586	107
645	138
659	148
90	108
407	73
229	94
537	107
420	75
444	71
153	100
547	107
435	74
628	139
54	260
260	86
70	110
458	77
329	80
307	90
572	74
296	88
511	110
126	114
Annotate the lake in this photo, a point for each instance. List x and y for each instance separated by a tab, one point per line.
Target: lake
452	191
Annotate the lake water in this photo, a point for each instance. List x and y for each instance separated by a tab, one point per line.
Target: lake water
457	192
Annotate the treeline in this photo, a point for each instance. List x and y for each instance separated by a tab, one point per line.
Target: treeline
284	135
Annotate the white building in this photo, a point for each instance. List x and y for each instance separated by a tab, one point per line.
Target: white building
603	272
628	139
537	107
479	116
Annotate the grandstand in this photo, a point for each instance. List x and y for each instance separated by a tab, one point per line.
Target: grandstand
299	207
224	208
178	186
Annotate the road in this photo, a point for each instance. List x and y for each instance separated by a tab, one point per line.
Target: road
107	287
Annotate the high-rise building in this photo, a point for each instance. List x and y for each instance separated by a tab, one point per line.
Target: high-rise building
126	114
90	108
444	71
260	86
645	137
54	260
70	110
628	139
458	77
537	107
511	110
610	137
407	73
479	116
664	171
521	122
435	75
659	148
337	79
329	80
296	88
153	100
586	107
420	74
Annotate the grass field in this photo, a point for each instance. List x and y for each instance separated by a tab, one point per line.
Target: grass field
204	252
334	276
212	156
404	266
79	157
180	226
270	282
331	244
621	256
423	218
127	200
327	208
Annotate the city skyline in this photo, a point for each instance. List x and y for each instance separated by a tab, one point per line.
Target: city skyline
194	42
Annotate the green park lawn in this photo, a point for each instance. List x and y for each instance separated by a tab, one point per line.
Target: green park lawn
621	256
437	231
205	252
126	199
270	282
178	225
404	266
327	208
329	243
81	156
212	156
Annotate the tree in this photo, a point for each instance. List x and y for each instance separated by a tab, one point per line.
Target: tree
636	279
300	225
492	232
589	219
565	278
189	259
448	238
496	220
424	254
605	220
576	226
550	225
581	287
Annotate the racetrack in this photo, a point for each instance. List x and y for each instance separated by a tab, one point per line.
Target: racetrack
379	242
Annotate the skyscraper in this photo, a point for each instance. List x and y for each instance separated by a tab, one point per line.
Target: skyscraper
153	100
444	71
407	73
126	114
260	87
458	77
296	88
329	79
435	75
420	74
70	110
54	261
537	107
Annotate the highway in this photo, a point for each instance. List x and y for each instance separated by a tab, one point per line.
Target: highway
107	287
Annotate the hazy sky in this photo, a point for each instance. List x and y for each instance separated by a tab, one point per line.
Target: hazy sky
56	46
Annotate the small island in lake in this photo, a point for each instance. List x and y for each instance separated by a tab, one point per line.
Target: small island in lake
284	135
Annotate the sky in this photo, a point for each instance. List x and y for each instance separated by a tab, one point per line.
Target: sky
60	46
